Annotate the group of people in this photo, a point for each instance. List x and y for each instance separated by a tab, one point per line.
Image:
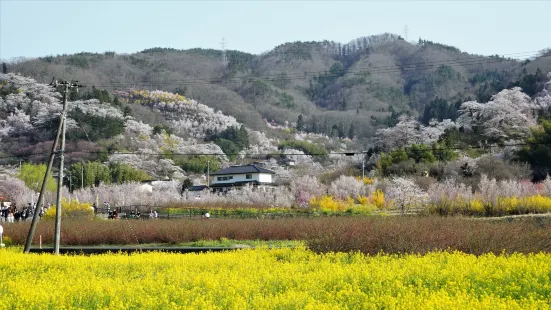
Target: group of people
114	213
10	213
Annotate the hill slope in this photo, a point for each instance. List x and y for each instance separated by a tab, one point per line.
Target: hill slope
363	84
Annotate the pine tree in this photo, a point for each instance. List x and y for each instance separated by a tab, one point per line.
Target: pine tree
351	131
341	130
300	123
4	68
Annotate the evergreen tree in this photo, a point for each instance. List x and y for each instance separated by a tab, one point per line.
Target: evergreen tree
341	130
351	131
344	105
537	152
4	68
315	127
127	111
300	123
186	184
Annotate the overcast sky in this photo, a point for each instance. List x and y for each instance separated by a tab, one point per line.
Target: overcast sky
40	28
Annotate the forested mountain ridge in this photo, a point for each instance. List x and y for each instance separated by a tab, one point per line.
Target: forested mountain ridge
339	89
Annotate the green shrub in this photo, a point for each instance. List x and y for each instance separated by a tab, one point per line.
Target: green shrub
318	151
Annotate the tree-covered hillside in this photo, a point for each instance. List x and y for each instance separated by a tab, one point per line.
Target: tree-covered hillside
337	89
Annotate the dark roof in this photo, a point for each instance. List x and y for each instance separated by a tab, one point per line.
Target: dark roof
242	170
197	188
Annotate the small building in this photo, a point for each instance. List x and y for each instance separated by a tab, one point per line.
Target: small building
287	162
197	190
238	176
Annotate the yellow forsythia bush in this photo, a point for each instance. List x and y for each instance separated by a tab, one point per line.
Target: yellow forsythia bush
274	279
366	180
503	206
71	209
377	199
329	203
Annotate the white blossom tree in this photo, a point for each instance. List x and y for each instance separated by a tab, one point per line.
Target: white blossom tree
346	186
305	188
405	194
508	115
409	131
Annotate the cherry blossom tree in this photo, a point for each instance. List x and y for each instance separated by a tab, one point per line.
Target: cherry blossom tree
508	115
16	190
346	186
405	194
409	131
305	188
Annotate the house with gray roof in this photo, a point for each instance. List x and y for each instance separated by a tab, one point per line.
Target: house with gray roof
238	176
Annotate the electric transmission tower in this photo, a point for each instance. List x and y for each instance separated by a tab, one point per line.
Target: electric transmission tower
224	56
406	30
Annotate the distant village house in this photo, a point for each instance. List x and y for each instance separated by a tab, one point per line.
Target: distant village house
238	176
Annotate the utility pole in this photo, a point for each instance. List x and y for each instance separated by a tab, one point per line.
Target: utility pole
70	180
57	234
60	129
363	166
82	175
36	216
208	172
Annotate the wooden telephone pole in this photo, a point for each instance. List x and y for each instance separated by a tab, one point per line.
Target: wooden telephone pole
60	132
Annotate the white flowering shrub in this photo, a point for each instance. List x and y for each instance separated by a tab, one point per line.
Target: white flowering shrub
405	194
305	188
279	196
346	186
95	108
489	190
131	194
298	156
187	116
16	190
543	99
260	144
447	191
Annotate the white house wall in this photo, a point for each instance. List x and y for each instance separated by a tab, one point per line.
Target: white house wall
265	178
260	177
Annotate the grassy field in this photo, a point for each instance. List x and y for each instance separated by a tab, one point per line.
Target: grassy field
275	279
370	235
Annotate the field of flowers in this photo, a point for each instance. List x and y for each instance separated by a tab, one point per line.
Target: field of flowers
275	279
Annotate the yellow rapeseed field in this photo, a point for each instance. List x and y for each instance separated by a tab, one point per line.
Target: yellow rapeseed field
274	279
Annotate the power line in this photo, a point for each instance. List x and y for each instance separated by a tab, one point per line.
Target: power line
250	155
307	75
